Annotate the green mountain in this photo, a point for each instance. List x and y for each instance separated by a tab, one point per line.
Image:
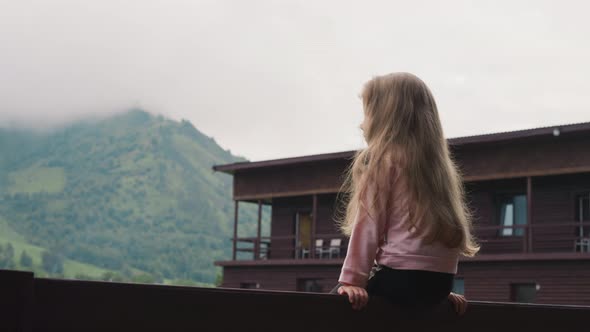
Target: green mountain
130	195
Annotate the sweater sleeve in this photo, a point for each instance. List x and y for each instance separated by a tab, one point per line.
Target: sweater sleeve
362	245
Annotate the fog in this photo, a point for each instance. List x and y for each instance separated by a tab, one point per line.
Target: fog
275	79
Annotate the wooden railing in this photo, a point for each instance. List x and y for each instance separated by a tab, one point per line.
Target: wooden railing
286	247
567	237
38	304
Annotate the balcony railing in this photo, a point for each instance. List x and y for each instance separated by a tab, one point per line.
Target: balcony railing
325	246
567	237
38	304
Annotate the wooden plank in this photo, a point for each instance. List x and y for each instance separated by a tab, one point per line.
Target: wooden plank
235	229
293	193
529	229
524	174
314	220
257	251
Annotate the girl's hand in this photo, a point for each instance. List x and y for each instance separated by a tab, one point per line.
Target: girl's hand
358	296
459	302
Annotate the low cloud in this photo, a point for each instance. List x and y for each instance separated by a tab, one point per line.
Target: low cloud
272	79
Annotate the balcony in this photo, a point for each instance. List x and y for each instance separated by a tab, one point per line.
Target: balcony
39	304
566	237
570	238
324	246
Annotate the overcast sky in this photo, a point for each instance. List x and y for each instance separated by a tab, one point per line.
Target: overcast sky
275	79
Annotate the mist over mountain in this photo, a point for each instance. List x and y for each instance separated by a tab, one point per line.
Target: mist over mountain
130	194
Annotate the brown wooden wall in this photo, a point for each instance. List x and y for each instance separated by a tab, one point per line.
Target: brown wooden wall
283	219
553	203
539	156
561	282
481	197
516	158
553	199
280	277
298	179
283	223
553	196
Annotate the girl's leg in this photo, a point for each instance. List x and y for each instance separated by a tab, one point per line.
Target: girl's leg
391	284
415	290
433	287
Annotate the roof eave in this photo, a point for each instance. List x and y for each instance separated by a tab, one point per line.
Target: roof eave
457	141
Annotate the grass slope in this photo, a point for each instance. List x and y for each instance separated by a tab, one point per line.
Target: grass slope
130	193
71	268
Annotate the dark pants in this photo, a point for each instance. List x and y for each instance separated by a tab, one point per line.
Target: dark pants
415	290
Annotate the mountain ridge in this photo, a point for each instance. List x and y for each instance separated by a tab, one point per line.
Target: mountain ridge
131	192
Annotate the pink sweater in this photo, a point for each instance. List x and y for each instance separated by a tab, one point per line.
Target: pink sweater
387	242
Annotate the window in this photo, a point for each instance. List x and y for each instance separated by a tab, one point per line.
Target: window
250	285
523	293
512	212
309	285
583	207
459	286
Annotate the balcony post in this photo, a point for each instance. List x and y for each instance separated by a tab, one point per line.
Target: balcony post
257	244
529	213
235	239
314	219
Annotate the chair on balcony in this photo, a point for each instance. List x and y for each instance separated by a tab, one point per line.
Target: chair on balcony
582	243
264	250
334	249
319	249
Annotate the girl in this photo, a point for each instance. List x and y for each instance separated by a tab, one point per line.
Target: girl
405	212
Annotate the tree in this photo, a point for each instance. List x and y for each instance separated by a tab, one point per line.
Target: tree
26	260
52	262
219	279
112	276
7	256
82	276
144	278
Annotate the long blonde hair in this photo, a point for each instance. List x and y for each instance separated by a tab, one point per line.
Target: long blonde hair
404	129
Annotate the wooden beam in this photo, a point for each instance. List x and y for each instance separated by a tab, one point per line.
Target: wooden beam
462	260
511	175
336	262
235	229
257	244
287	194
529	213
558	256
466	178
314	220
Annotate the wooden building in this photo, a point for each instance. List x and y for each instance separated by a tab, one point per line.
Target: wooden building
529	191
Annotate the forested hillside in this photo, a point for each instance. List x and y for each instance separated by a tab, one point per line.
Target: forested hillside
131	196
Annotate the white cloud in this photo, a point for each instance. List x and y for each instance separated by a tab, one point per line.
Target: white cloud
273	79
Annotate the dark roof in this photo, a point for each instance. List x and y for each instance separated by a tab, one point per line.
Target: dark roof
231	168
457	141
518	134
